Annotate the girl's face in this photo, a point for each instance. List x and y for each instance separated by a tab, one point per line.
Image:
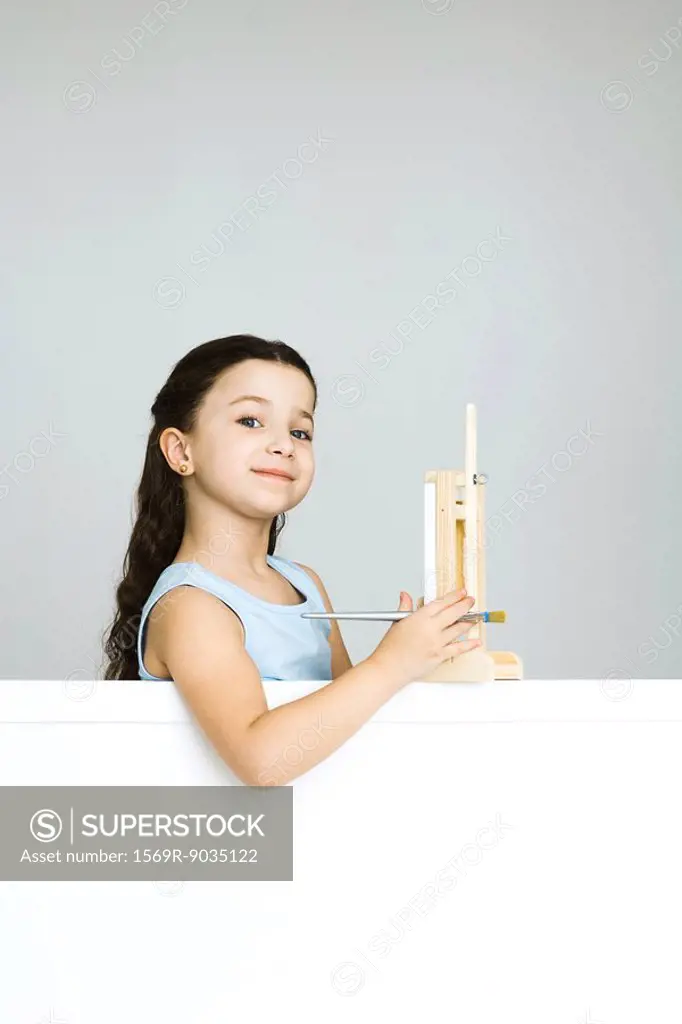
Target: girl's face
238	437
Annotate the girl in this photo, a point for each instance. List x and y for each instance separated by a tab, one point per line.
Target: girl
205	602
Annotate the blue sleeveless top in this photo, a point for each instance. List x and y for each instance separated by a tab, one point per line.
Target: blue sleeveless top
281	643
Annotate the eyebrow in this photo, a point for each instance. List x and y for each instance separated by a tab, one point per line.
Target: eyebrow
266	401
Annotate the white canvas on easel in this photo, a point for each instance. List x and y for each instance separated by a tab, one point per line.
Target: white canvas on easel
454	557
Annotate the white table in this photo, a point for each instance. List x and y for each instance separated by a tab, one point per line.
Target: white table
554	803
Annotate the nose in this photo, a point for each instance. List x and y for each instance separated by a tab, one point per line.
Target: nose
281	445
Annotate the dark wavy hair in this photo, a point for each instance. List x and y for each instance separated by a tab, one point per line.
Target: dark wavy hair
160	499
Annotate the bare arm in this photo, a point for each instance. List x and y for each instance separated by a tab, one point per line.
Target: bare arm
340	658
202	645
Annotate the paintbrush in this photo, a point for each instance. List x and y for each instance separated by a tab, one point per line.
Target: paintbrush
396	616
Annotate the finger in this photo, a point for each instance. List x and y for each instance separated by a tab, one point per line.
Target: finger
439	604
458	629
450	597
455	611
462	646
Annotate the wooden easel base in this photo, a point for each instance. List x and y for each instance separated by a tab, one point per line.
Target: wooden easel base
507	665
477	667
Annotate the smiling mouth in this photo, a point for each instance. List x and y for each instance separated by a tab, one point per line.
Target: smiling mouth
273	476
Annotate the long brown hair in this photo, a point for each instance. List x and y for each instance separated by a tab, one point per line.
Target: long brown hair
160	499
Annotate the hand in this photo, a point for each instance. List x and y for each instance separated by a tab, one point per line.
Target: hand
417	644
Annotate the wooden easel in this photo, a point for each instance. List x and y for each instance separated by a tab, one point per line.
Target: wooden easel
454	557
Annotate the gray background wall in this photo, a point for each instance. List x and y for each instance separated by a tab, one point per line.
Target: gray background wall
133	133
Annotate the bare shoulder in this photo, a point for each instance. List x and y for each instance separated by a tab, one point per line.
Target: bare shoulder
172	616
187	600
340	658
175	616
316	579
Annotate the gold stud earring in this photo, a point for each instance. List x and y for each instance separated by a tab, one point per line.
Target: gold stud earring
183	467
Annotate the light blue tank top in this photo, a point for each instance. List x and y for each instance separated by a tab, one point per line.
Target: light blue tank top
280	642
